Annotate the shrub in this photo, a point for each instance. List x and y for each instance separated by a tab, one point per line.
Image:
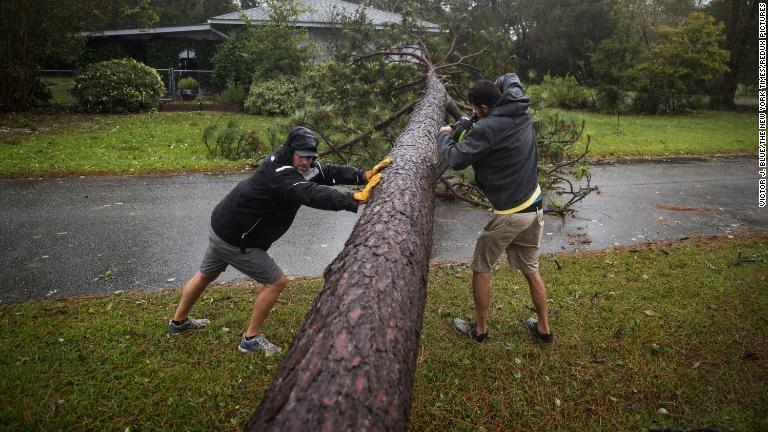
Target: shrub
646	100
101	50
117	86
561	92
611	99
40	94
230	142
188	83
261	52
233	94
281	96
684	60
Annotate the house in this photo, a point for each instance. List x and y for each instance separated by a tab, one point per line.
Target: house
192	46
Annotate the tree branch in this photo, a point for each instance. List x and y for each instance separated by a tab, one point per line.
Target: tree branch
378	126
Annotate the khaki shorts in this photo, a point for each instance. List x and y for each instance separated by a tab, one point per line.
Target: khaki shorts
518	234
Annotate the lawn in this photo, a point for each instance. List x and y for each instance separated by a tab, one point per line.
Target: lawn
77	144
666	336
60	90
66	144
700	133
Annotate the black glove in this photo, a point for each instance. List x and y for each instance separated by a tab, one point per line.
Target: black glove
461	126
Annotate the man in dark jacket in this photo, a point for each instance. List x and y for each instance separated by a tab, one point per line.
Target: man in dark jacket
257	212
501	147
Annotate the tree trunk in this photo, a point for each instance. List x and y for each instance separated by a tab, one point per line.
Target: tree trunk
352	364
731	77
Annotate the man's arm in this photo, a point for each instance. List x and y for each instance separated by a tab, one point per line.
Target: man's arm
331	174
462	154
321	197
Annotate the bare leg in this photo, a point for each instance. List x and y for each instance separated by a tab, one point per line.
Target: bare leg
482	297
191	293
263	304
539	296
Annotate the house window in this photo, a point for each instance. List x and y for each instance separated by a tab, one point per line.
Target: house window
187	59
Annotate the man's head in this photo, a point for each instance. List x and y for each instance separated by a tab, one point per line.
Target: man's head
483	96
303	146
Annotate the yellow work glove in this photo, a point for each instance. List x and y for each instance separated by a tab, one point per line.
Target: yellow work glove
364	195
377	168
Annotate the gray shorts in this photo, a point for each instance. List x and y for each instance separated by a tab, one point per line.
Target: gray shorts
254	263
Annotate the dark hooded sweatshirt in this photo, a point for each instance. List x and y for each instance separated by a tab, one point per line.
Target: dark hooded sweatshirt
261	208
501	148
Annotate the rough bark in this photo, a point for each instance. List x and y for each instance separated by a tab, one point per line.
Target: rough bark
352	364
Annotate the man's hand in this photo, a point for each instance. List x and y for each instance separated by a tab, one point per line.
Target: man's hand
377	168
445	129
364	195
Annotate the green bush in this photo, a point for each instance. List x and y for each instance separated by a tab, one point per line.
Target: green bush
612	99
261	52
117	86
561	92
281	96
40	94
230	142
233	94
188	83
101	50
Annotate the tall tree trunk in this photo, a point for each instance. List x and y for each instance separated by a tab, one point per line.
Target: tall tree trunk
352	364
731	77
737	38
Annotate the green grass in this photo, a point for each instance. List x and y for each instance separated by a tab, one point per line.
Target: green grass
63	144
106	363
60	89
701	133
72	144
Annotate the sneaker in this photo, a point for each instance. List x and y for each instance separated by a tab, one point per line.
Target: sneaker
468	329
258	344
186	325
530	324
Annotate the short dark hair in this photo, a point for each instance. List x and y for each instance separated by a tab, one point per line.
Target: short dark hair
484	92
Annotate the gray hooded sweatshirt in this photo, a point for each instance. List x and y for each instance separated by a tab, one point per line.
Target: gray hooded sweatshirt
501	148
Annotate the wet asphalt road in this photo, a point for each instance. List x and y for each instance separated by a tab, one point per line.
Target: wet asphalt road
81	236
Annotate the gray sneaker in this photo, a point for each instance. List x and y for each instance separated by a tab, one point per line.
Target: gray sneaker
189	324
258	344
468	329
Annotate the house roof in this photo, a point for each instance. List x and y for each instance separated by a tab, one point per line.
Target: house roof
198	31
322	13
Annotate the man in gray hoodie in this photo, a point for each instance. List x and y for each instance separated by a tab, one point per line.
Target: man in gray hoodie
501	148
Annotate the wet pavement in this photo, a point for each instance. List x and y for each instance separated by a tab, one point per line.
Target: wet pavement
81	236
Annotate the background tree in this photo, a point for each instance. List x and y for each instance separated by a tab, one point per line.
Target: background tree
34	32
684	61
740	17
265	51
186	12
